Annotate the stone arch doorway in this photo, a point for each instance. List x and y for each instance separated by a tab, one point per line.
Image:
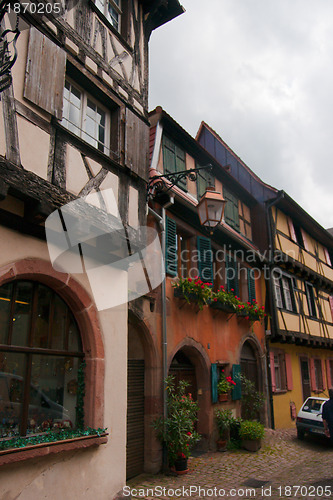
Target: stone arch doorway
190	361
182	369
144	380
251	367
249	363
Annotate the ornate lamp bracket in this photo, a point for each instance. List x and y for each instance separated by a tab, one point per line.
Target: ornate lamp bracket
8	51
165	182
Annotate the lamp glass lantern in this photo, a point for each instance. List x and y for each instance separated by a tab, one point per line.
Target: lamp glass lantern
211	208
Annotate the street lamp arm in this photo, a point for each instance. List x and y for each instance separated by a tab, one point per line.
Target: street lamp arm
165	182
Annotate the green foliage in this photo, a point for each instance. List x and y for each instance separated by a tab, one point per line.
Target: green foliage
194	290
49	437
225	384
227	298
252	400
223	420
177	430
250	429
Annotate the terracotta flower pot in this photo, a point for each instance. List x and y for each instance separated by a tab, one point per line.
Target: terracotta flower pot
221	444
223	397
181	466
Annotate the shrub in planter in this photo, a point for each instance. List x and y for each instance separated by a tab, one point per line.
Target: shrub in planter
251	432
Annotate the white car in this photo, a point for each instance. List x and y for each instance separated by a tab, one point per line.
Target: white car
309	419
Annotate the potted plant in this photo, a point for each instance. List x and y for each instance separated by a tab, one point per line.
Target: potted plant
176	431
225	301
252	311
224	386
223	419
193	290
251	433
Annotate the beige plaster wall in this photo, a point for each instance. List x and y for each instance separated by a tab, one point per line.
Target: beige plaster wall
33	158
96	473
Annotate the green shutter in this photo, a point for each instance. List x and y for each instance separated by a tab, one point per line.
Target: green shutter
231	269
171	247
201	185
251	284
236	392
181	166
231	215
214	380
205	256
174	160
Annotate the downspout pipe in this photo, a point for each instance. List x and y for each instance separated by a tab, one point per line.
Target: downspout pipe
162	223
274	323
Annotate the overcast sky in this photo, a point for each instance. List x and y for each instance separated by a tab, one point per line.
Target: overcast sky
260	73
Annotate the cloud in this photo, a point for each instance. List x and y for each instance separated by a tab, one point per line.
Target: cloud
260	72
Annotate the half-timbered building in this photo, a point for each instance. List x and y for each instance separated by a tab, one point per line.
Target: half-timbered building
180	338
298	274
73	123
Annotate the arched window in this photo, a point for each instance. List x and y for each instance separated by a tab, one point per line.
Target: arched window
40	353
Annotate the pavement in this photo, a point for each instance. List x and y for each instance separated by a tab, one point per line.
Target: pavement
284	467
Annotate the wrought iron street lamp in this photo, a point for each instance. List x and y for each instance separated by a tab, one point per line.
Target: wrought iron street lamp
211	209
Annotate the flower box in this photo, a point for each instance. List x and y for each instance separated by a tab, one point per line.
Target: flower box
227	308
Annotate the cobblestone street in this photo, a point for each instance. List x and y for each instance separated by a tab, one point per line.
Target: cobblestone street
275	471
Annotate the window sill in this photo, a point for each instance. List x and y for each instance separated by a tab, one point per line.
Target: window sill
280	391
13	455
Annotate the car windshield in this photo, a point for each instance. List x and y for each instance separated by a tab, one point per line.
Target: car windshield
313	405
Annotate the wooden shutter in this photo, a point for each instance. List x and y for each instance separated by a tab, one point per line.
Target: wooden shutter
180	166
231	215
331	304
313	375
305	240
214	380
136	144
251	285
323	373
271	362
292	230
171	247
169	156
232	275
289	372
236	392
205	264
45	73
328	373
327	257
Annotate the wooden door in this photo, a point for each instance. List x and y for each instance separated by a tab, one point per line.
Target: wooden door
135	418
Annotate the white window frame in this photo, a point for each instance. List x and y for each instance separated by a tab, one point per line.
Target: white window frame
103	7
83	114
310	297
284	292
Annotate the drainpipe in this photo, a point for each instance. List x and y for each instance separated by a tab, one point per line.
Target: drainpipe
271	300
162	222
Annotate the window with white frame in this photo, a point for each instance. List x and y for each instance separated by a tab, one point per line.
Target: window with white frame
86	118
111	9
284	292
280	371
310	296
